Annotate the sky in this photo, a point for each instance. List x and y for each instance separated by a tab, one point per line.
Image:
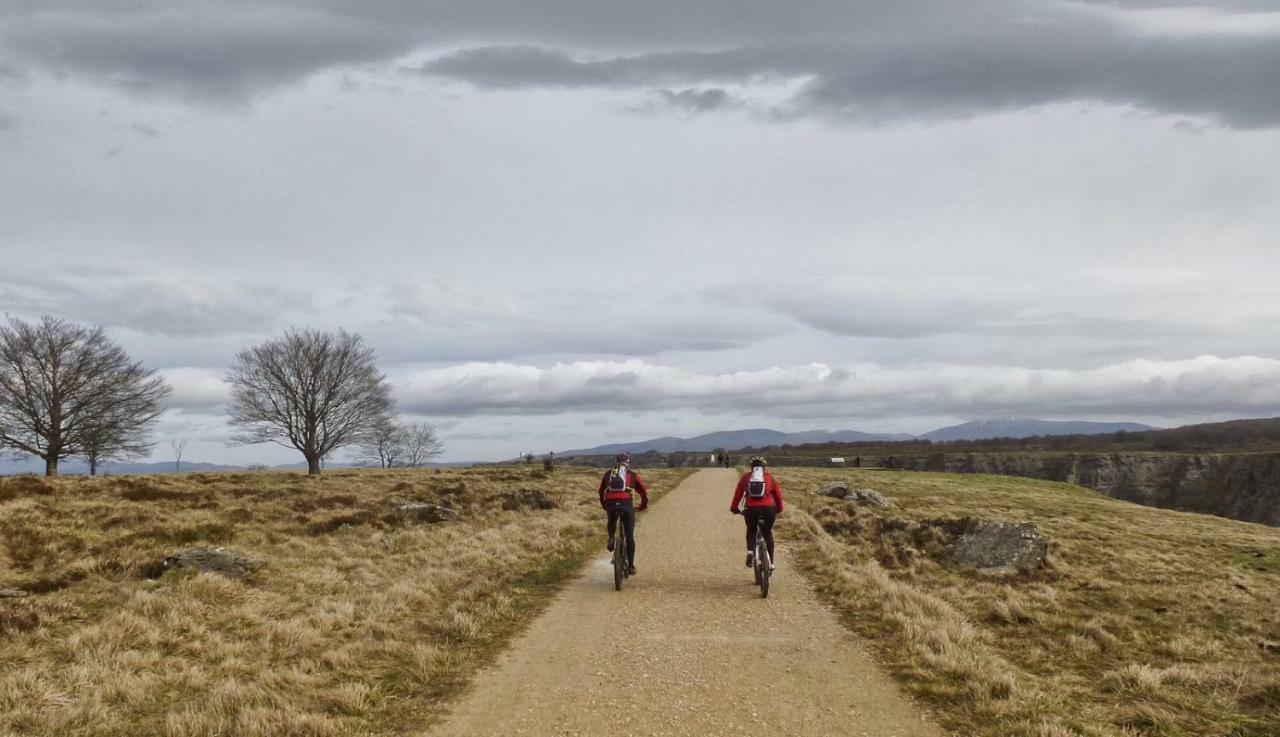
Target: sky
567	223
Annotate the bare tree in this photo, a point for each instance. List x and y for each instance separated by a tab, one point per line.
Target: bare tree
178	446
113	441
310	390
383	446
420	443
66	390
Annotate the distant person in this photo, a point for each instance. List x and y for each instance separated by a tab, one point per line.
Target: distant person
615	496
758	498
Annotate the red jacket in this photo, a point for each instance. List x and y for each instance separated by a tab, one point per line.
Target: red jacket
772	494
633	482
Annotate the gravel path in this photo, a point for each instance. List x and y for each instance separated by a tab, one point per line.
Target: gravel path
687	647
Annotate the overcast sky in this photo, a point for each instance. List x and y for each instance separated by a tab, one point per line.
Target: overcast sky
568	223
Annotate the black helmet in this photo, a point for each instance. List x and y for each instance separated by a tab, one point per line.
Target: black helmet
623	458
758	461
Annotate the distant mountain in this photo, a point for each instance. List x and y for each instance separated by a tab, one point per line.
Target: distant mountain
1026	428
733	440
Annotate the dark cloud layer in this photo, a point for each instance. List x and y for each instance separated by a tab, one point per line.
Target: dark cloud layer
892	77
870	61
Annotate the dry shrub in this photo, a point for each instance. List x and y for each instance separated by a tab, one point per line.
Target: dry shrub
18	615
14	487
141	489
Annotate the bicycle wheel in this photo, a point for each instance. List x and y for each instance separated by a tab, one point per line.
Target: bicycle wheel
620	558
756	562
762	566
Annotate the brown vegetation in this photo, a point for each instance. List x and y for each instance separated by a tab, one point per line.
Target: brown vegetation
1146	622
359	623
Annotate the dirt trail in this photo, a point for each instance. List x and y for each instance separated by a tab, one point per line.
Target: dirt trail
686	647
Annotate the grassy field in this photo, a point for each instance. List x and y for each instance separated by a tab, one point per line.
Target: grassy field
1146	622
357	624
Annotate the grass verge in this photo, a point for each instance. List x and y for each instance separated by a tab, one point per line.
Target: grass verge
357	624
1146	621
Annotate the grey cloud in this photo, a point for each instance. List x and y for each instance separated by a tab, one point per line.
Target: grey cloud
695	100
1206	384
143	129
896	76
152	305
201	50
929	306
872	61
528	66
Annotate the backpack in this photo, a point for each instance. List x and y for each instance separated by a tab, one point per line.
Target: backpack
618	479
756	486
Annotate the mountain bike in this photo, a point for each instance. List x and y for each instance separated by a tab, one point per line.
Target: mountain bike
763	563
620	557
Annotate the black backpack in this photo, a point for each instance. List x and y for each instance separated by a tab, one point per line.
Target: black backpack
756	489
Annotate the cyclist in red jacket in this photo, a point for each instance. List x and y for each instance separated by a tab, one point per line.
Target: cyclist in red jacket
615	497
758	498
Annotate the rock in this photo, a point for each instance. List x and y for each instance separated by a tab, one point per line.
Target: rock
836	491
213	560
12	593
1001	548
868	497
425	512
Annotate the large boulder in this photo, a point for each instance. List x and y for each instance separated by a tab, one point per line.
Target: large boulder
213	560
1001	548
424	512
866	497
837	490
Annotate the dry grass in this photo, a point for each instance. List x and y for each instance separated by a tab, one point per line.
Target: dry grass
357	625
1147	622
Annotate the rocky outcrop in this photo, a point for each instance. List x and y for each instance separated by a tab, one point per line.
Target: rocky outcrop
869	497
424	512
1240	486
1001	548
212	560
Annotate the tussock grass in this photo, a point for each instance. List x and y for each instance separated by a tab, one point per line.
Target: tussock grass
1146	622
358	624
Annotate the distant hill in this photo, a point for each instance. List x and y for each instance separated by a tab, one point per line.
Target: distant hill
735	439
1027	428
72	467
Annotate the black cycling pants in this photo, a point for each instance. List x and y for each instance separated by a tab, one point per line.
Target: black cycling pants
626	512
761	517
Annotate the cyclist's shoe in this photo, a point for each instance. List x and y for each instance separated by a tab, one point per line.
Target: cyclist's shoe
772	566
631	570
751	559
609	545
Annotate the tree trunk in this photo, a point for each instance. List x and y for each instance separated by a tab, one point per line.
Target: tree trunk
313	465
93	467
51	466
